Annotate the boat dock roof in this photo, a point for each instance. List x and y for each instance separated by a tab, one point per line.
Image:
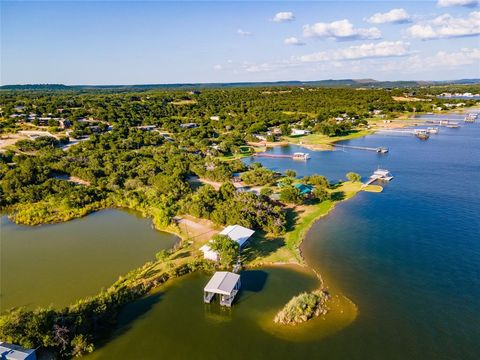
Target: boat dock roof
222	282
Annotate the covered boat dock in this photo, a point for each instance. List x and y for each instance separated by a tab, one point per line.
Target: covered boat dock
225	284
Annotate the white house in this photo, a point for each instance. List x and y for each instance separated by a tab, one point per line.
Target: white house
237	233
16	352
299	132
215	117
188	125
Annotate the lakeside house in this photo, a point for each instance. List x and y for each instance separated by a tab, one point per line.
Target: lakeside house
16	352
237	233
225	284
305	190
300	132
147	127
188	125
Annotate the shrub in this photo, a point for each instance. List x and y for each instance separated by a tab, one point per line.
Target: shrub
303	307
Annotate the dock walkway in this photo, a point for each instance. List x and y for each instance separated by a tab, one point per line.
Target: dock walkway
381	149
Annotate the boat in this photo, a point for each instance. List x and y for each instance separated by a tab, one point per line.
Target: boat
452	126
382	150
301	156
382	174
421	134
432	130
470	118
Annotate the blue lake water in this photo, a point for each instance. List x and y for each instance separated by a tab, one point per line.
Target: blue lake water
410	256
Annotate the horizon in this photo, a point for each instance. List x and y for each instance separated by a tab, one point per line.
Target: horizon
134	43
366	80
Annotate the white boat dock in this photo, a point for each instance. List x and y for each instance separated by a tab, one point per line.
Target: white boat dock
225	284
379	174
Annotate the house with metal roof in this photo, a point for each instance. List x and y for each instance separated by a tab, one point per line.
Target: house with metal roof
237	233
16	352
225	284
304	189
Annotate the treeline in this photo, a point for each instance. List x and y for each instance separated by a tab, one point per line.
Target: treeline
131	168
248	110
75	330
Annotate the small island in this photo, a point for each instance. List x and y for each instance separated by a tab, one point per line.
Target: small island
303	307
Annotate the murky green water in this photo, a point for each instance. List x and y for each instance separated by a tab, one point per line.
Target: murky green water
175	321
61	263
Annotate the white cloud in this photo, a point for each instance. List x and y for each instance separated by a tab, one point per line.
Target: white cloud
284	16
395	16
243	32
441	60
255	68
370	50
340	30
446	26
465	56
218	67
362	61
447	3
293	41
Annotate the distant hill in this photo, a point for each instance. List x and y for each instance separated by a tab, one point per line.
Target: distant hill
355	83
36	87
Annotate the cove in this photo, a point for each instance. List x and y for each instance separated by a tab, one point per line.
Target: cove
58	264
175	323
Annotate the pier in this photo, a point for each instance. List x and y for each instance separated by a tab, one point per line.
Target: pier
422	134
275	156
295	156
436	119
381	150
444	122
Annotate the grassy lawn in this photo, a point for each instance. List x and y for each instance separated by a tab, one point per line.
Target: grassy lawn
373	188
233	157
285	249
324	142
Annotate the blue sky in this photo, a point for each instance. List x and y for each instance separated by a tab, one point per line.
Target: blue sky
122	42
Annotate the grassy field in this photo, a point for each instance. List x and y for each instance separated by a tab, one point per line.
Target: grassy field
324	142
301	218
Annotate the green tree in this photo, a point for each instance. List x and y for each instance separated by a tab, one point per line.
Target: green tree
266	191
317	180
258	176
227	190
290	173
291	195
321	194
162	255
227	249
353	177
